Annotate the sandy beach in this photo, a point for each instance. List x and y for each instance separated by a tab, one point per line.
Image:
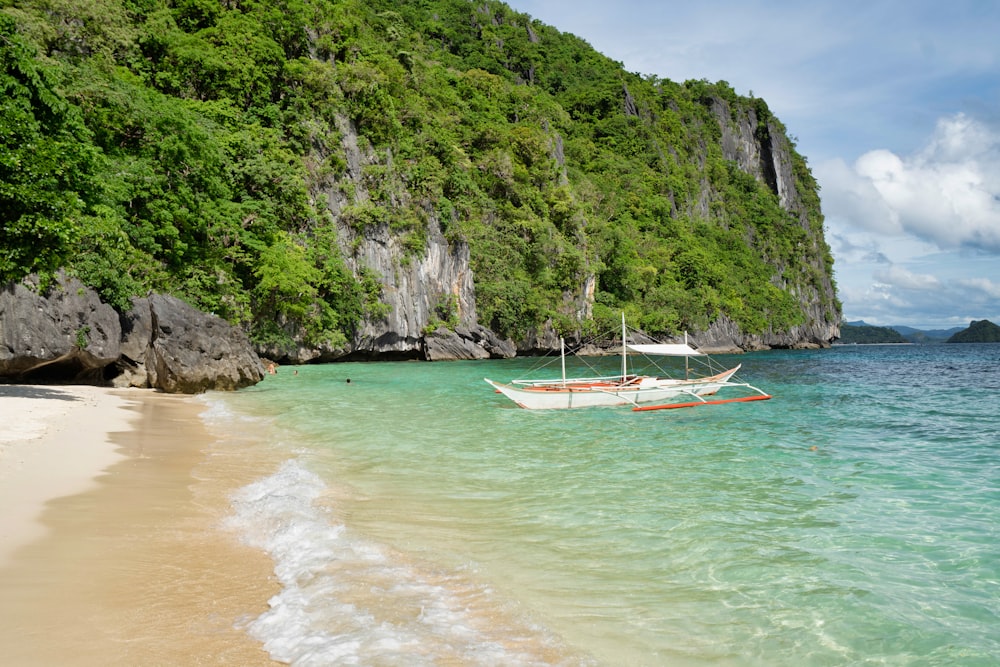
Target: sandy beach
112	546
54	442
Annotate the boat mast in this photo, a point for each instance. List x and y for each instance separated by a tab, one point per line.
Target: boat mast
624	362
562	356
687	360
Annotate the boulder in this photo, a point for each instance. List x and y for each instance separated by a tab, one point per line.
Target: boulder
65	333
190	351
466	343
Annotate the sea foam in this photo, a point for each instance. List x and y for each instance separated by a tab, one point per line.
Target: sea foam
345	599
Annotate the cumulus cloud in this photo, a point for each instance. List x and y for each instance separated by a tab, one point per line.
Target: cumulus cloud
983	286
897	276
895	294
947	194
916	237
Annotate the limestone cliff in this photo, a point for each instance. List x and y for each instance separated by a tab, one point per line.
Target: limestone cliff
423	288
420	289
762	149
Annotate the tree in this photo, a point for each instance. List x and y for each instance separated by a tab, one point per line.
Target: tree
47	164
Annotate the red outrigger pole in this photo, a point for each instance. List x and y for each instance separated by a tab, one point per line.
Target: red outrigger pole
694	404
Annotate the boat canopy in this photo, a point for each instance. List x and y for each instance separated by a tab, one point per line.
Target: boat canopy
667	349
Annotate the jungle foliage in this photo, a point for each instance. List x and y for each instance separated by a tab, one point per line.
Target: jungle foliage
186	146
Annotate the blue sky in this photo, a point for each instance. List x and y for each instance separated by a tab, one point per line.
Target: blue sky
894	103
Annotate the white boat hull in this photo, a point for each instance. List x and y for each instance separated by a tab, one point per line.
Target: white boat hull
558	394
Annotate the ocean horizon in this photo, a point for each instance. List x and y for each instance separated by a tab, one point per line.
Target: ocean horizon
419	518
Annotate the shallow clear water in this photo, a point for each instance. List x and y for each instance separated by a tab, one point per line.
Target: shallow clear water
421	518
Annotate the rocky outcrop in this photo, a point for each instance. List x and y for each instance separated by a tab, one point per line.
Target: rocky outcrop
444	344
759	145
759	148
436	284
725	336
67	334
190	351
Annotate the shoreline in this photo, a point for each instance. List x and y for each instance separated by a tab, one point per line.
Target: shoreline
114	551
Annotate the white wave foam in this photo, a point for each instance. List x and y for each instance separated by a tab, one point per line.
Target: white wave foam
218	411
348	600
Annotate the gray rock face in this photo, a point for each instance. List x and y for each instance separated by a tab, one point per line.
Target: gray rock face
725	336
414	289
762	149
69	335
466	343
137	330
415	286
768	160
190	351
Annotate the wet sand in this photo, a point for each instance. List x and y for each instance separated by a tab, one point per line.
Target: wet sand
137	568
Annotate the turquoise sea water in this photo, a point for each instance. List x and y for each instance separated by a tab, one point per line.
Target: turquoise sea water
421	519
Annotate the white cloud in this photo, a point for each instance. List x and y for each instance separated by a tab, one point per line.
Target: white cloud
960	138
945	194
849	195
897	276
941	296
984	286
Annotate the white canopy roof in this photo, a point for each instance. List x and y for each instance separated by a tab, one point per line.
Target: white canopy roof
667	349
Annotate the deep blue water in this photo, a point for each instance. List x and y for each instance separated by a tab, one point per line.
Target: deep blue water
421	519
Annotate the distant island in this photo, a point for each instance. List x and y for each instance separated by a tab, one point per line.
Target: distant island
852	334
861	333
983	331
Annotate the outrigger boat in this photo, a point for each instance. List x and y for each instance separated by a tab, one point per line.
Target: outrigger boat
642	392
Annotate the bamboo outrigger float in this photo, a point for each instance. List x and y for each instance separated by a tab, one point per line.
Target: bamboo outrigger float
642	392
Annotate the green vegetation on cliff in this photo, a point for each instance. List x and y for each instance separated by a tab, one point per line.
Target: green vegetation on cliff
193	147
